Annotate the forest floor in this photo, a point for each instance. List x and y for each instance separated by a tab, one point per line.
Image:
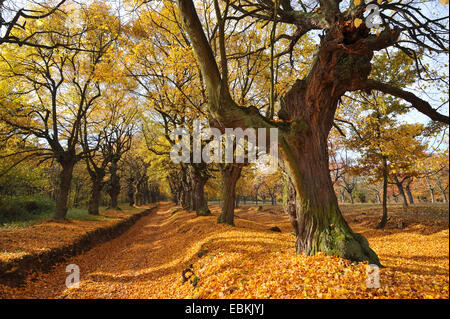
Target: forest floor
251	261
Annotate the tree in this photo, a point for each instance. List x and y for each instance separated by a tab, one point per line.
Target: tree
273	186
55	89
389	151
433	168
106	139
141	189
342	63
174	92
13	20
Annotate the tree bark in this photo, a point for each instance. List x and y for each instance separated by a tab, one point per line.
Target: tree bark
199	179
130	192
198	197
185	197
312	203
377	195
342	196
385	188
444	197
442	190
313	207
401	190
114	186
431	189
230	176
65	179
408	192
94	201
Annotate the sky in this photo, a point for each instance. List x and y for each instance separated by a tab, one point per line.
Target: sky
433	96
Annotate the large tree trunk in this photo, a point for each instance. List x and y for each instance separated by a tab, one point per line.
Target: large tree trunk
199	179
384	217
230	176
65	179
401	190
408	192
185	197
94	201
114	186
311	201
313	207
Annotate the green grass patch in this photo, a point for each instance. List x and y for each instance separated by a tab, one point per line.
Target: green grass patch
24	210
82	214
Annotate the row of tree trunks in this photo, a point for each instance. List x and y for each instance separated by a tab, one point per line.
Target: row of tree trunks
188	187
145	192
97	175
140	191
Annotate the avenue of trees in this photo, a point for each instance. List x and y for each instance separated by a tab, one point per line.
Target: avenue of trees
91	91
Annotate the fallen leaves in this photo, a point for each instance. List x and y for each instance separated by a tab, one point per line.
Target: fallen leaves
248	261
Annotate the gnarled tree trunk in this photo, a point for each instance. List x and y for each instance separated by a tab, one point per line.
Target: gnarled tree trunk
313	207
65	179
230	176
408	192
94	201
199	178
401	190
311	201
114	186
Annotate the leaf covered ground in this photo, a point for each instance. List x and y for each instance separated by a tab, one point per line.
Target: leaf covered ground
16	241
249	260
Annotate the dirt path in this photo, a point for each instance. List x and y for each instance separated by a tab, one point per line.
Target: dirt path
246	261
145	262
106	268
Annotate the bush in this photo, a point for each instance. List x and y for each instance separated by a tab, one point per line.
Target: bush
361	195
22	208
